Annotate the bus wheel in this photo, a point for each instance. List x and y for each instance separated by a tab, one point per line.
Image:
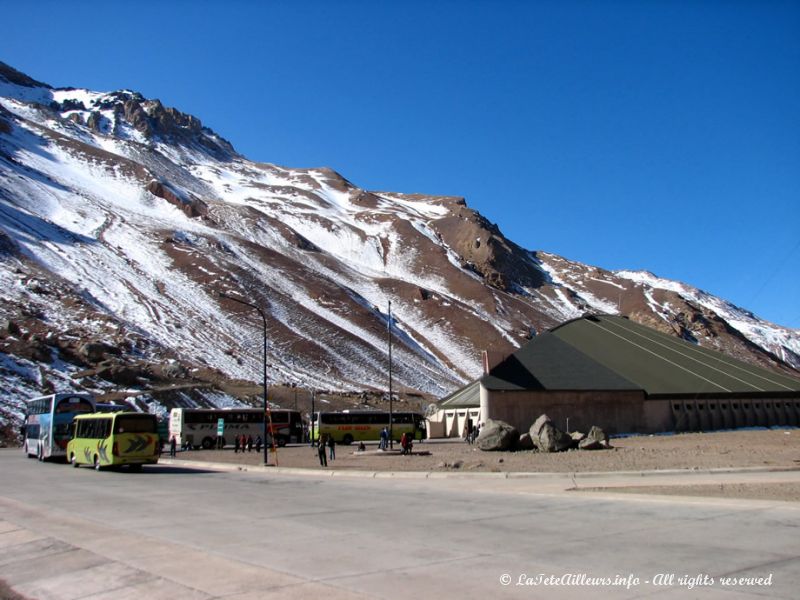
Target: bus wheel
96	463
281	442
74	461
347	439
208	443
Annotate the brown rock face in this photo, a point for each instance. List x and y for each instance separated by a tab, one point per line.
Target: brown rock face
191	206
485	250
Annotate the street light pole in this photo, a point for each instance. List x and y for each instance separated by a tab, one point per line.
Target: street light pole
267	415
391	418
313	394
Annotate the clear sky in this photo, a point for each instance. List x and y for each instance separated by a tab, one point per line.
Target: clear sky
657	135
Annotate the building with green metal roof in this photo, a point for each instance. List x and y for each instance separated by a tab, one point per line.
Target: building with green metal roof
626	377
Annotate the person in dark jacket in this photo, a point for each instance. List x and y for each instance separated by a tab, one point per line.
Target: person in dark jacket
332	447
323	441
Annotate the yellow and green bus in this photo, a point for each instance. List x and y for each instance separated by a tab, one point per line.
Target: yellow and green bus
356	426
114	439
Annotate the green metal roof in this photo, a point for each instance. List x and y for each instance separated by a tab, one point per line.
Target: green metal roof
549	363
614	353
467	397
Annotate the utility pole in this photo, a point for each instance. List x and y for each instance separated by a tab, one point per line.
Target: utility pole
391	417
267	413
313	394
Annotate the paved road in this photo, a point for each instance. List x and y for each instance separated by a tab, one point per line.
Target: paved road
177	533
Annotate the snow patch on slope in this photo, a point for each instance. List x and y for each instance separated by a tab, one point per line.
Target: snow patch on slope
772	338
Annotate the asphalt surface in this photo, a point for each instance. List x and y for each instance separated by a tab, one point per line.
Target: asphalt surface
177	532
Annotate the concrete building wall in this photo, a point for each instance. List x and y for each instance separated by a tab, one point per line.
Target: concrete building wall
632	412
450	422
615	412
729	413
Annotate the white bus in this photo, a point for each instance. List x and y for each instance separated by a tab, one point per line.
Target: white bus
48	423
197	427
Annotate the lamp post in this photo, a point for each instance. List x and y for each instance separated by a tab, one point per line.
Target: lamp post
391	418
267	416
311	437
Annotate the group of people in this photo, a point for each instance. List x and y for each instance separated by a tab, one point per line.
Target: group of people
173	446
471	432
406	441
326	441
240	442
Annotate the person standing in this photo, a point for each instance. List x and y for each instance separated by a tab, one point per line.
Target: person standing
236	444
173	447
323	440
332	447
384	439
249	443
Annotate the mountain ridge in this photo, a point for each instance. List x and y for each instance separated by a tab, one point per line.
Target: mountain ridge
134	215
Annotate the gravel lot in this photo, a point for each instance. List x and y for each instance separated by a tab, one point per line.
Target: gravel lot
741	448
778	448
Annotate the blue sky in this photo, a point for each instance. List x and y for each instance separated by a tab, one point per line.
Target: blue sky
658	135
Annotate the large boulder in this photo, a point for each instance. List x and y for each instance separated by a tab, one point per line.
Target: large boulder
596	439
547	437
497	435
577	438
525	442
94	352
121	374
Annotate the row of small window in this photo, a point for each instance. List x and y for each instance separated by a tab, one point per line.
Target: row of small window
735	406
229	417
43	406
368	418
98	429
95	429
250	416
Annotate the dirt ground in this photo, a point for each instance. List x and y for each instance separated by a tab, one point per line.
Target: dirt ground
778	448
742	448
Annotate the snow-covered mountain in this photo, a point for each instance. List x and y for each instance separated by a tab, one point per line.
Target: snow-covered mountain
121	220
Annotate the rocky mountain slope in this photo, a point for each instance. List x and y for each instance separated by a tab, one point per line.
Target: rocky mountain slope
121	220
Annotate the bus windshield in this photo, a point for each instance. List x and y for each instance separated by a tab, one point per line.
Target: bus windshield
74	405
